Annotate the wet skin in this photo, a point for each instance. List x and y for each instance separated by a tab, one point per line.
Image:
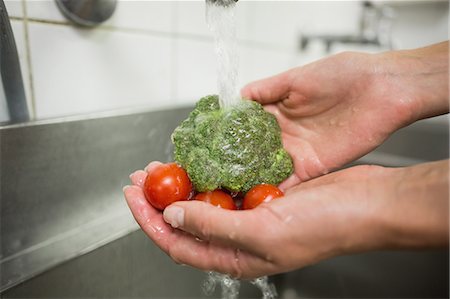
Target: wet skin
330	112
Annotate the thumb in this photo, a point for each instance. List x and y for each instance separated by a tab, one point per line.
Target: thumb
269	90
210	223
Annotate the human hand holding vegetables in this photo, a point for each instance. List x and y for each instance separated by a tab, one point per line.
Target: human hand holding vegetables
330	112
353	210
340	108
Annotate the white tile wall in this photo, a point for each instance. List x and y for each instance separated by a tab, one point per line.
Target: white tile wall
148	15
157	53
195	72
44	10
145	15
420	25
79	71
190	18
269	22
256	63
14	8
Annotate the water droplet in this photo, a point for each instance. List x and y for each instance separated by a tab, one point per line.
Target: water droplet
288	219
237	222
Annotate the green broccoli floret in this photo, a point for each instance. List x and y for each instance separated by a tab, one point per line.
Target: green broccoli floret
235	148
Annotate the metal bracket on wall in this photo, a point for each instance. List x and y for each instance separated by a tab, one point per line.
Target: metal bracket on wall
87	13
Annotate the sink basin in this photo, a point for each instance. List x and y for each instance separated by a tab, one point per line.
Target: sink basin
66	230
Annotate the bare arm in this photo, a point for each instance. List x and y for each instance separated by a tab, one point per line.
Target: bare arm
416	213
421	76
331	112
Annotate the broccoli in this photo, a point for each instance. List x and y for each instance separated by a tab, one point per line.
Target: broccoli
234	148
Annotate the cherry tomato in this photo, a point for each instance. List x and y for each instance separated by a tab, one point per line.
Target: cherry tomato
217	198
166	184
260	193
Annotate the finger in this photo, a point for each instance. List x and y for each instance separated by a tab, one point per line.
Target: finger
328	179
138	178
209	223
289	182
268	90
152	165
186	249
148	218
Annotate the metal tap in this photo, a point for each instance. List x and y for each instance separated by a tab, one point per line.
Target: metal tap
224	3
374	29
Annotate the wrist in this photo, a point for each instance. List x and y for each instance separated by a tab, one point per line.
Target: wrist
414	212
416	81
367	228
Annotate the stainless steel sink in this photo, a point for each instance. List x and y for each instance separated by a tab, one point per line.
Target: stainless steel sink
66	230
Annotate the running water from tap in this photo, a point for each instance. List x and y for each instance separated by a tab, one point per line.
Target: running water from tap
230	286
220	17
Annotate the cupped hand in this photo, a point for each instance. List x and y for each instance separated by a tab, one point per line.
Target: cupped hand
334	111
318	219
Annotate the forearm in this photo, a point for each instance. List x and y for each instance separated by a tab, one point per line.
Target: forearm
422	78
415	214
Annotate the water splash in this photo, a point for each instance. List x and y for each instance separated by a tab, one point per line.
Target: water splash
220	17
267	289
230	286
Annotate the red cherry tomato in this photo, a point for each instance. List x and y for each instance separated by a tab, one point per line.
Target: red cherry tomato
260	193
166	184
217	198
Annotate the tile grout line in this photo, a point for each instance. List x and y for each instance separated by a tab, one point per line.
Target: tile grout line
168	34
32	101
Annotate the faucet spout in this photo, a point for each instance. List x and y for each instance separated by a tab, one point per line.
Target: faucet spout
224	3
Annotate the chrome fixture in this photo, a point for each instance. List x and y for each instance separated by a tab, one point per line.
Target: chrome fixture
11	75
87	12
374	29
224	3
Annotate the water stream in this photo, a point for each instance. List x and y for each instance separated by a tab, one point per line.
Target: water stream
220	17
230	286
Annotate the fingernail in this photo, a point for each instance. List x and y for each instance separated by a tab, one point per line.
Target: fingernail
125	188
137	178
174	216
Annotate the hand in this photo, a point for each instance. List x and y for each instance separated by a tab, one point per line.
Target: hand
340	108
353	210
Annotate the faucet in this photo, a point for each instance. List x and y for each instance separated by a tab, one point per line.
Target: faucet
224	3
374	29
